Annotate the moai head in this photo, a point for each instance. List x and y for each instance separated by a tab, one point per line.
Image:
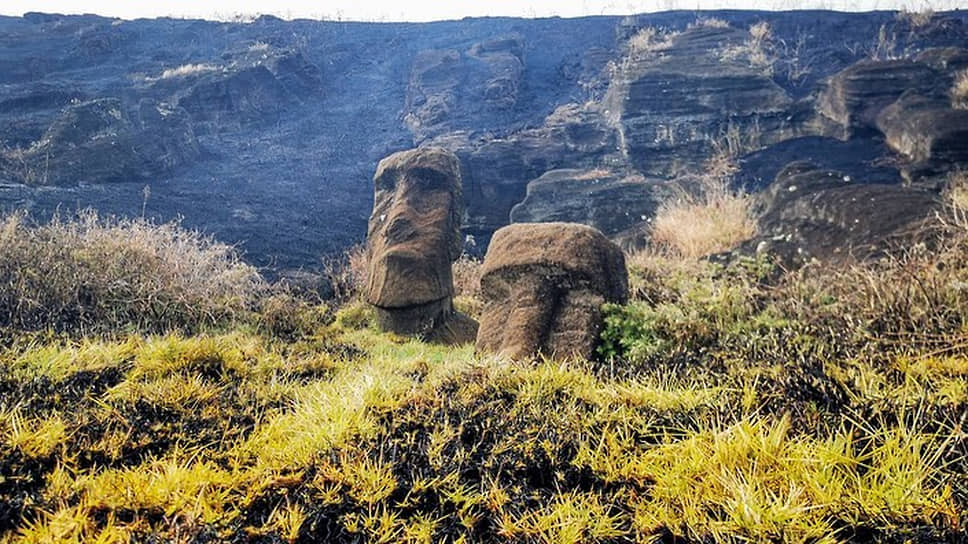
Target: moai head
543	286
413	237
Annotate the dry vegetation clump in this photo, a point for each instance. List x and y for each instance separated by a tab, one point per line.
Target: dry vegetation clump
957	192
91	274
916	19
758	50
347	273
644	44
959	92
715	220
709	22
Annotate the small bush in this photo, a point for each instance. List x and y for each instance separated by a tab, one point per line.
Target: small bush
347	273
92	274
287	316
714	221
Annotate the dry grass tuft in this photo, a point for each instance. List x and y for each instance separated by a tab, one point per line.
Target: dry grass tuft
90	274
959	91
347	273
758	50
916	19
709	22
467	276
714	220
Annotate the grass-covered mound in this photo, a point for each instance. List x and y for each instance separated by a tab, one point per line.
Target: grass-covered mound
731	404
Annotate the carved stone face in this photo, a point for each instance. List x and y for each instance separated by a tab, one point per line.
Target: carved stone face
414	231
543	287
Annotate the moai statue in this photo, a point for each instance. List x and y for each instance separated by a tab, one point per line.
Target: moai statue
413	238
544	285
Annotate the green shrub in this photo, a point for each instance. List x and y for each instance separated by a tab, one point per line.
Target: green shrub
93	274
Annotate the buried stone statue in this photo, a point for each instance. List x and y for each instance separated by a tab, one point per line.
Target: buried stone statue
412	240
544	285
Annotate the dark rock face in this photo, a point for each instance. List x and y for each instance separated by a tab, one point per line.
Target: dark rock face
496	171
266	134
926	131
812	213
448	87
97	142
413	237
854	97
543	287
674	99
255	86
597	198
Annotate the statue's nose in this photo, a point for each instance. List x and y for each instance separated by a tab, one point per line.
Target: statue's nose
400	229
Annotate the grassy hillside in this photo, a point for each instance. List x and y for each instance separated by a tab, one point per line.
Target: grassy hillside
731	403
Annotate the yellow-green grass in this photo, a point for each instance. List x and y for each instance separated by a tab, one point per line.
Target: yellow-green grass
403	441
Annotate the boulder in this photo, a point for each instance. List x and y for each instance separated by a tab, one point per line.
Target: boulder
543	286
413	237
928	132
854	97
609	202
812	213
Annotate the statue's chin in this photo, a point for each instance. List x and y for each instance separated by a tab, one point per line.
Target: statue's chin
403	278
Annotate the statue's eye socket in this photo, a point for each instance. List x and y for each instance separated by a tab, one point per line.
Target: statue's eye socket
385	182
429	178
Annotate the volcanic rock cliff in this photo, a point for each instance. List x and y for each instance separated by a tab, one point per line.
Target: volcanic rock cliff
267	133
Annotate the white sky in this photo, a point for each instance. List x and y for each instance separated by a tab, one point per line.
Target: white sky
425	10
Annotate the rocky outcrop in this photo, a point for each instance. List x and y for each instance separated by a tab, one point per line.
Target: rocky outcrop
928	133
413	237
854	97
811	213
449	88
543	287
496	171
99	142
675	97
608	202
254	86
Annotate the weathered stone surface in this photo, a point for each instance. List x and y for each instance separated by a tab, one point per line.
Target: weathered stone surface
98	142
814	213
606	201
928	132
496	171
252	86
854	97
449	88
413	237
543	286
867	159
944	59
672	102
